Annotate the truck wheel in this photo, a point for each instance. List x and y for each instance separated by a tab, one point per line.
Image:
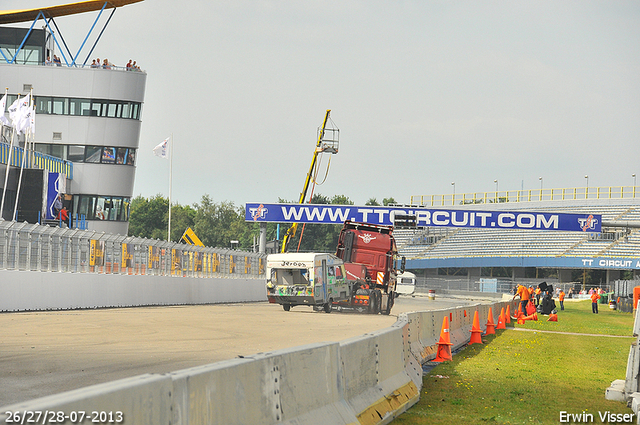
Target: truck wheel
286	307
328	307
374	302
390	298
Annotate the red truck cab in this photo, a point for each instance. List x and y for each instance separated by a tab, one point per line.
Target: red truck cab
369	253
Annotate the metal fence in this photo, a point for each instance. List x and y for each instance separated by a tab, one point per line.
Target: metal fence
34	247
530	195
502	285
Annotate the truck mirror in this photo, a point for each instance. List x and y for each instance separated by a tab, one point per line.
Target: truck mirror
403	263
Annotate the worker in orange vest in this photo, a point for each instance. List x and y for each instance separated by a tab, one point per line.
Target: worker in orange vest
538	291
523	292
561	299
594	302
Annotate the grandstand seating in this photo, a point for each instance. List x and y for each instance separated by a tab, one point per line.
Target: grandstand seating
434	243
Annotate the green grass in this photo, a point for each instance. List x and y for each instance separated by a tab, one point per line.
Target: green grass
522	377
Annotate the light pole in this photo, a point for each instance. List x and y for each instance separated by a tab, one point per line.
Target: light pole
540	178
634	179
586	192
496	196
453	197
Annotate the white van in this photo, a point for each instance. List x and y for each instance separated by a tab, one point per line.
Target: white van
406	284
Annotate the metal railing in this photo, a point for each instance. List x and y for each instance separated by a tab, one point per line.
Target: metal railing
34	247
34	160
531	195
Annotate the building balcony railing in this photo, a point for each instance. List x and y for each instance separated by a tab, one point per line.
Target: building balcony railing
36	160
531	195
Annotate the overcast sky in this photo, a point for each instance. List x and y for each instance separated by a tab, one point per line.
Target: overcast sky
425	93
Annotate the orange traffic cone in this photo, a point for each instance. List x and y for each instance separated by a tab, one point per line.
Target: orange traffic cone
552	318
476	332
491	327
519	312
507	315
501	320
531	308
533	316
444	345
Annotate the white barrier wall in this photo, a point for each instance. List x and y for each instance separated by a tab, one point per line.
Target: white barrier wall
27	291
628	389
370	379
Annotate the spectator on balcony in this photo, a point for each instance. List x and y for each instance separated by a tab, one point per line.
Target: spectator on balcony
57	205
48	61
94	64
57	60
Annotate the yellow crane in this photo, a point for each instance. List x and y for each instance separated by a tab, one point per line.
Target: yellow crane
327	142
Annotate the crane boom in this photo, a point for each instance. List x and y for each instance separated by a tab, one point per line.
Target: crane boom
291	232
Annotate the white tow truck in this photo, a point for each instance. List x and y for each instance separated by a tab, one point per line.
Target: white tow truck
311	279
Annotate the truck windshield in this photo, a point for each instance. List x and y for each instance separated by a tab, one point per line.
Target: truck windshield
290	276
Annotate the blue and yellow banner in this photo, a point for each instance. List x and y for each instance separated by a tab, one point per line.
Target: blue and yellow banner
424	217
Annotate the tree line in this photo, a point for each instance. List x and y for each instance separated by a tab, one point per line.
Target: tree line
218	223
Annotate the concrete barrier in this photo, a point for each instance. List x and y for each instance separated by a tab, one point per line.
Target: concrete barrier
628	389
144	399
370	379
33	291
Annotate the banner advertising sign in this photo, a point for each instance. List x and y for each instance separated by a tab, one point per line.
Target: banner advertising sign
127	255
154	257
215	263
338	214
96	253
57	184
197	261
232	263
176	261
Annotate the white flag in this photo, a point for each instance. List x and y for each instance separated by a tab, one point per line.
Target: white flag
3	105
162	150
25	121
13	111
19	111
24	102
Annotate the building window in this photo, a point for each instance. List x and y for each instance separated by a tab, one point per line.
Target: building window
108	155
49	105
76	153
89	154
93	154
107	208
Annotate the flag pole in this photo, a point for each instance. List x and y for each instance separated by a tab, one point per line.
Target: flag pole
170	181
6	176
14	217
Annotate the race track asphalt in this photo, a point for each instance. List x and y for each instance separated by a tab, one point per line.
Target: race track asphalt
44	353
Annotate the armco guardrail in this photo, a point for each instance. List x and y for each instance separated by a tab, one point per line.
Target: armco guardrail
370	379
